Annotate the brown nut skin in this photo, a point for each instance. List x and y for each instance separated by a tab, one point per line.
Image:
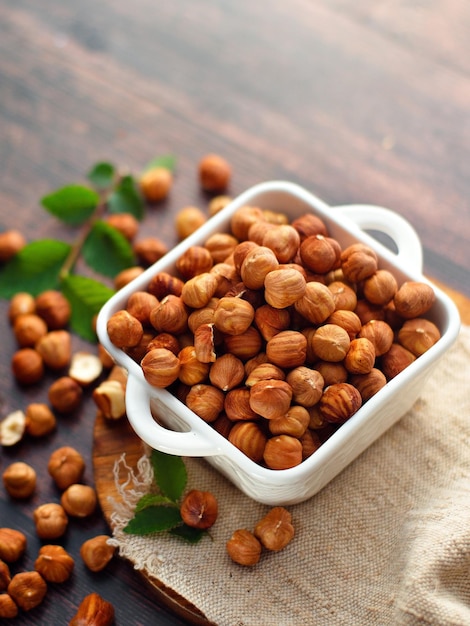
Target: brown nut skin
206	401
339	402
275	529
125	223
155	183
12	544
418	335
199	509
54	308
360	358
19	480
358	262
227	372
55	347
21	303
414	299
28	329
307	385
27	589
396	360
237	405
66	466
40	420
79	500
214	173
282	452
5	575
8	607
244	548
369	384
97	553
163	284
271	398
287	349
65	394
283	287
50	520
54	564
160	367
249	438
380	334
233	316
271	321
380	288
318	254
149	250
284	241
187	220
195	260
258	262
317	303
93	611
11	242
124	330
27	366
331	343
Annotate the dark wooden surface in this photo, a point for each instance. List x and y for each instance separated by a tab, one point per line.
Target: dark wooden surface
359	102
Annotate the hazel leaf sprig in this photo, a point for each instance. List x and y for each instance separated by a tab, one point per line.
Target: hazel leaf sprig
46	264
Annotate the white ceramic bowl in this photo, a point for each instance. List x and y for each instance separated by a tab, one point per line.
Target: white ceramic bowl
182	432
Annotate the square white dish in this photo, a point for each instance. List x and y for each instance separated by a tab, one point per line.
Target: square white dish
181	432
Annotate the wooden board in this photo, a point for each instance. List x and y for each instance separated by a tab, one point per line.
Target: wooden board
111	439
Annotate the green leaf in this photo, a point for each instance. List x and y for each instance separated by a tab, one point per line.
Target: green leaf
106	250
73	204
192	535
170	474
153	519
86	297
126	198
167	161
35	268
151	499
102	175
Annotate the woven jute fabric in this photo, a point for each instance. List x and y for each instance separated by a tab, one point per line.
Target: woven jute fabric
387	542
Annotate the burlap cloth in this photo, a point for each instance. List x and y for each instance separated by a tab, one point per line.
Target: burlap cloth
387	542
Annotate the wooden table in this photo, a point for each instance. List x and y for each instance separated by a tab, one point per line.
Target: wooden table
360	102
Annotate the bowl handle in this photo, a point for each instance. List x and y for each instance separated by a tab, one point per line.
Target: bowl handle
404	236
189	443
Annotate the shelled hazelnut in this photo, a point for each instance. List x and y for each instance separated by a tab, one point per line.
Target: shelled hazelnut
51	520
97	552
54	564
12	544
66	466
27	589
79	500
19	479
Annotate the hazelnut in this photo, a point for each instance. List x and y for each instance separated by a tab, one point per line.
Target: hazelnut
54	308
164	340
12	544
54	564
93	611
242	219
237	405
346	319
367	311
192	371
27	589
66	466
233	316
358	262
418	335
40	420
19	479
380	334
12	428
206	401
249	438
282	452
11	242
124	329
396	360
344	296
332	372
283	287
275	530
21	303
163	284
218	203
310	443
270	320
149	250
317	303
307	385
271	398
204	343
294	422
125	223
5	576
287	349
79	500
8	608
284	241
198	291
245	345
214	173
331	343
360	358
221	246
195	260
244	548
27	366
264	371
258	262
65	394
309	224
380	288
339	402
139	305
227	372
160	367
319	254
188	220
199	509
97	552
369	384
170	315
414	299
156	183
50	520
109	397
55	348
28	329
127	275
85	368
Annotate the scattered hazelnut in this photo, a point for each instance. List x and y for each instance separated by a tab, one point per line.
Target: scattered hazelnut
28	329
79	500
40	420
5	576
12	544
55	348
50	520
54	564
214	173
85	368
8	607
54	308
126	276
27	366
66	466
125	223
11	242
97	552
19	479
65	394
244	548
21	303
109	397
156	183
12	428
188	220
275	530
93	611
199	509
27	589
149	250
